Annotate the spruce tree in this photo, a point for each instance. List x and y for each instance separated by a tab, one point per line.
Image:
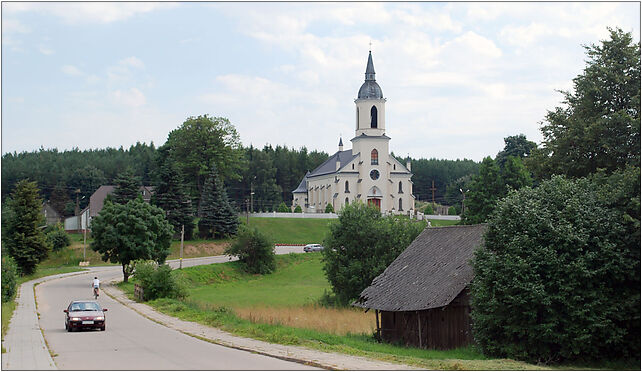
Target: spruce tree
23	236
218	218
171	196
127	187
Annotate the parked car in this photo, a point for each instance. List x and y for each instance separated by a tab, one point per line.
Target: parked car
84	314
313	248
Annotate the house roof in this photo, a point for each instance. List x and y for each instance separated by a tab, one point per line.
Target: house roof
97	199
329	166
429	274
301	187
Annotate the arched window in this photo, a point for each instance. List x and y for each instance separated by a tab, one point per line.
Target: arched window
347	187
394	167
347	201
352	166
400	188
400	204
373	117
374	157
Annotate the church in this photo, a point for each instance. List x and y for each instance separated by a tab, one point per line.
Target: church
367	172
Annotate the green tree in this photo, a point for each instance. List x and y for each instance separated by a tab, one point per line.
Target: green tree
599	127
159	281
171	196
23	237
283	208
127	187
558	277
59	198
329	208
254	250
124	233
57	237
361	245
514	174
217	217
429	210
515	146
201	142
485	190
298	209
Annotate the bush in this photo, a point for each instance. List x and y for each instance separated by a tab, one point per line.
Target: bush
429	210
283	208
57	237
159	281
329	208
558	276
298	209
9	277
360	245
254	250
452	211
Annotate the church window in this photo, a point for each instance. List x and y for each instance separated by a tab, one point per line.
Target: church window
400	188
347	187
394	167
373	117
347	201
374	174
374	157
353	166
400	205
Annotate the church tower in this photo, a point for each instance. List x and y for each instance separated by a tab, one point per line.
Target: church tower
371	106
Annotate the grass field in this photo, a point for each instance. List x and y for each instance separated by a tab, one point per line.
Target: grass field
293	230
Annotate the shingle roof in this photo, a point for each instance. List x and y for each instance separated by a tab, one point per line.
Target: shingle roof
430	273
329	166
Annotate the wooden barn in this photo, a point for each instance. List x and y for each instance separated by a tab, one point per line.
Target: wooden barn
422	298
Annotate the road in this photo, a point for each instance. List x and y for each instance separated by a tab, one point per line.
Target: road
131	341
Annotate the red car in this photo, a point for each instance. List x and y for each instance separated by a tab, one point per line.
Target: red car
84	314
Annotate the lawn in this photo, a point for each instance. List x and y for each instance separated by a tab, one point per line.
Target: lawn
293	230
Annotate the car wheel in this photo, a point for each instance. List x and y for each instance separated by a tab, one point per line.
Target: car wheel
70	328
102	328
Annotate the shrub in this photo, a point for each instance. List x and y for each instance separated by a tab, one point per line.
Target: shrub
57	237
452	211
283	208
361	244
254	250
298	209
9	276
558	276
329	208
429	210
159	281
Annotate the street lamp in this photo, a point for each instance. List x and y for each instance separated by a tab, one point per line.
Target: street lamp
463	201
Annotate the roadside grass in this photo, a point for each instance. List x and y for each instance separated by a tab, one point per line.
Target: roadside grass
437	223
7	312
198	248
282	308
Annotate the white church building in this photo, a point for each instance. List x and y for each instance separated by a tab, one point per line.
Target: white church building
367	172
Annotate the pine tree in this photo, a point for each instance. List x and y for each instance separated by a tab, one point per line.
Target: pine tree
171	196
59	198
23	237
127	187
218	218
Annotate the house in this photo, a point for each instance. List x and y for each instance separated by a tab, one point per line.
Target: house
367	172
52	216
422	298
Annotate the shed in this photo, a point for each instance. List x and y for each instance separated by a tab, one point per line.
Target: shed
52	216
422	298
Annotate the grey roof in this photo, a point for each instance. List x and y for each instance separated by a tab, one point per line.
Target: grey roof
370	89
329	166
429	274
340	141
97	199
301	187
363	135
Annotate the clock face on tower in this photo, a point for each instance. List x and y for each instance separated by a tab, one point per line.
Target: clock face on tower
374	174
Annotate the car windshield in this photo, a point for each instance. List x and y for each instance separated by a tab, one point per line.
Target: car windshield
84	306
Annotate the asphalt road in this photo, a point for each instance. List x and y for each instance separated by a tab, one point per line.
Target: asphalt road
131	341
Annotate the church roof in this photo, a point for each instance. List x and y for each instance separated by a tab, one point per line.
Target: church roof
329	166
370	89
301	187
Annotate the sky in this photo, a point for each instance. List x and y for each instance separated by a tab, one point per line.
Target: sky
458	77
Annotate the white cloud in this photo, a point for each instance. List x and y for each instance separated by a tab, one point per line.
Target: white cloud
71	70
14	26
88	12
132	62
130	98
45	50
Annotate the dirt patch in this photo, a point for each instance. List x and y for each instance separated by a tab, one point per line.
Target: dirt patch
205	249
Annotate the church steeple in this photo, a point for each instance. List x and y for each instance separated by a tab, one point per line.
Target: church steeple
370	71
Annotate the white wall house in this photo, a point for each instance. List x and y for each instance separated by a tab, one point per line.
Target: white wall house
367	172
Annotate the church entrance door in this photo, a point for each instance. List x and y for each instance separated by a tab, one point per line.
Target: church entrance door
375	202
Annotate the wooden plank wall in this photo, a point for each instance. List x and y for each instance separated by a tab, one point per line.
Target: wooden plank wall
443	328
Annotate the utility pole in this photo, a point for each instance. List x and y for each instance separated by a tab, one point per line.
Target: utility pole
252	197
463	201
433	194
182	235
247	211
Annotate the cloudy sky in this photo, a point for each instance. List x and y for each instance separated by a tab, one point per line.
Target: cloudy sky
458	77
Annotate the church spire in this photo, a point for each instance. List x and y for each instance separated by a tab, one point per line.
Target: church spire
370	71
